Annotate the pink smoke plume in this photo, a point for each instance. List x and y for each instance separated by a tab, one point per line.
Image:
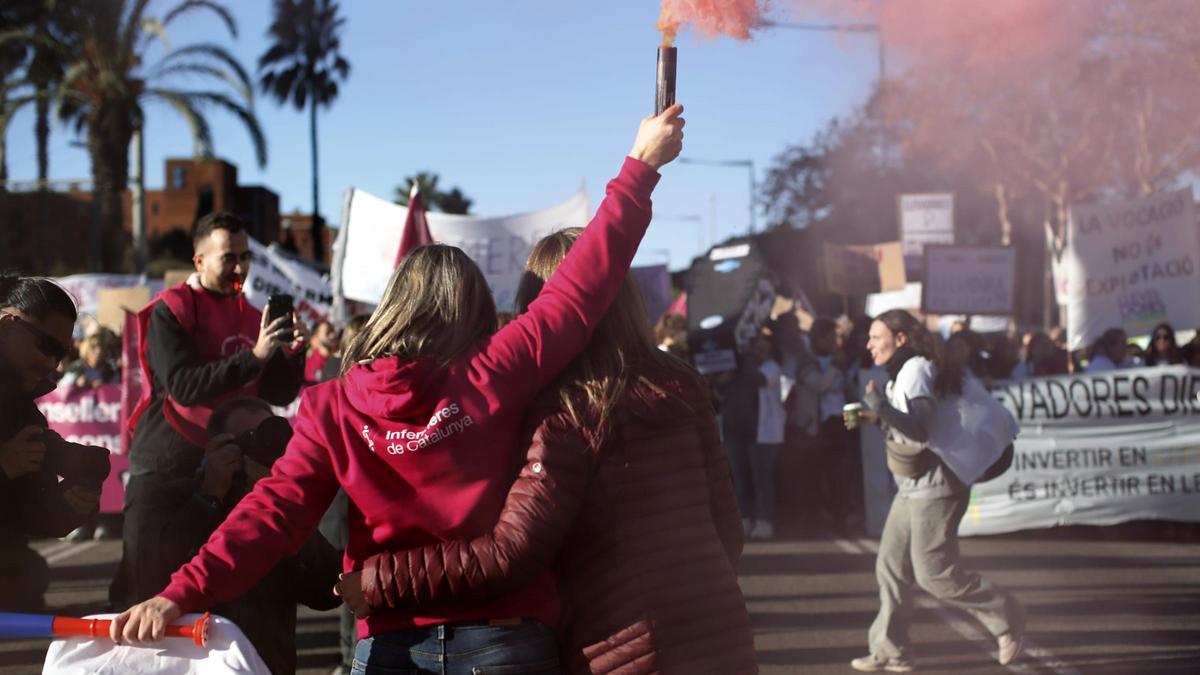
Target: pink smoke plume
733	18
967	33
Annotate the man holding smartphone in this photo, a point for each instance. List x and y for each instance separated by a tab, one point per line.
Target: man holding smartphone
200	343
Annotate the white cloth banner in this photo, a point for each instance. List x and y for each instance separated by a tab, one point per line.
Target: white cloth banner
85	288
1140	395
228	653
272	272
365	252
1131	265
1096	450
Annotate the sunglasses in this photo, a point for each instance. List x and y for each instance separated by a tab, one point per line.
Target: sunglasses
45	343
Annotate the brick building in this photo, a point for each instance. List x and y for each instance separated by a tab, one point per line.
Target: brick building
34	226
194	188
295	234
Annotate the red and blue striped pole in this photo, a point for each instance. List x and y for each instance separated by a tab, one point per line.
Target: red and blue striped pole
14	625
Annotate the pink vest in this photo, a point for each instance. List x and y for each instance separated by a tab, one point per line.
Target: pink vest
221	327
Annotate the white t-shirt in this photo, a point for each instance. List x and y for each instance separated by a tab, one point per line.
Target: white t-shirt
771	414
915	380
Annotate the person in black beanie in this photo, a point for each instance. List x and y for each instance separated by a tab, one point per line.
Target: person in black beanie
36	320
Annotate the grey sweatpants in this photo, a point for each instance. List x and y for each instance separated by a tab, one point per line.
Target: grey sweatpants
919	547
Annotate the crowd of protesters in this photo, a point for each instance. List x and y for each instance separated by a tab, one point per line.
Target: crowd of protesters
552	490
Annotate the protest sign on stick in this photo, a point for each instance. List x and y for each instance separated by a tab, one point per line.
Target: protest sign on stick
969	280
861	270
850	271
925	219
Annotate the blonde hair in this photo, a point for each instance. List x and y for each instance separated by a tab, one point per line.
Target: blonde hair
437	306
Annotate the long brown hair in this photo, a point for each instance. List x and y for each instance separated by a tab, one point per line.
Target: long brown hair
437	305
918	338
594	383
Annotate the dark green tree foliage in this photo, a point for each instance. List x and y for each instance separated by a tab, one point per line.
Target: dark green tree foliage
452	201
302	65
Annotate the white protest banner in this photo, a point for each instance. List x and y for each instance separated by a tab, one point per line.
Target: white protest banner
925	219
969	280
1121	396
273	272
1096	450
1131	265
365	252
1091	480
85	288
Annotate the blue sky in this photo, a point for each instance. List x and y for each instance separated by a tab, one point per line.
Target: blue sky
517	103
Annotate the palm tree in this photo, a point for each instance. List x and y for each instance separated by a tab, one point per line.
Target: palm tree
454	201
105	89
302	65
14	95
53	48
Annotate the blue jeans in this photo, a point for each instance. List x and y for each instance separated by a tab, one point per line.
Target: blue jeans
460	649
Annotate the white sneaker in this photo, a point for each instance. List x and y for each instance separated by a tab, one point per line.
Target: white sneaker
763	529
873	663
1008	648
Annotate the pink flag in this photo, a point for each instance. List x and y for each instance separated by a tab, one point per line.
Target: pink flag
679	306
131	377
416	230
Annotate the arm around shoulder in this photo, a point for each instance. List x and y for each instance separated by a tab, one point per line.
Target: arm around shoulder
537	515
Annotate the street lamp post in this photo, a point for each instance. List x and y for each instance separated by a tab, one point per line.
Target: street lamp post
97	244
747	163
875	28
687	218
137	201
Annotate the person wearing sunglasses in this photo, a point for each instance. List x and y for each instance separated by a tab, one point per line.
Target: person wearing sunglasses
36	320
1163	350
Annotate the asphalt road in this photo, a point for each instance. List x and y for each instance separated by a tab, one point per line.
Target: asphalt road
1122	599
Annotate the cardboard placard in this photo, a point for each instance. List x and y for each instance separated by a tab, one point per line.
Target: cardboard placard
849	271
114	301
863	270
173	278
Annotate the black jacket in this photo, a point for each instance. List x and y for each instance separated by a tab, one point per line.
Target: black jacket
31	505
157	447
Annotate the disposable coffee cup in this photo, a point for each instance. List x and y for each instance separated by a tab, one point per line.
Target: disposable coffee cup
851	412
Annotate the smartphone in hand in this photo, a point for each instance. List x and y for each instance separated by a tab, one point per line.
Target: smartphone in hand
281	304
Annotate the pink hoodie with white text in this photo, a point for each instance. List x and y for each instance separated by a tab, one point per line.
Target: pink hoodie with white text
426	452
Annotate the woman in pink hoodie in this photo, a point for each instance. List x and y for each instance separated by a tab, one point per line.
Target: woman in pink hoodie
421	432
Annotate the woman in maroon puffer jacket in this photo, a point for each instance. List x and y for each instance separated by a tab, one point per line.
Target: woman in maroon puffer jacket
625	491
